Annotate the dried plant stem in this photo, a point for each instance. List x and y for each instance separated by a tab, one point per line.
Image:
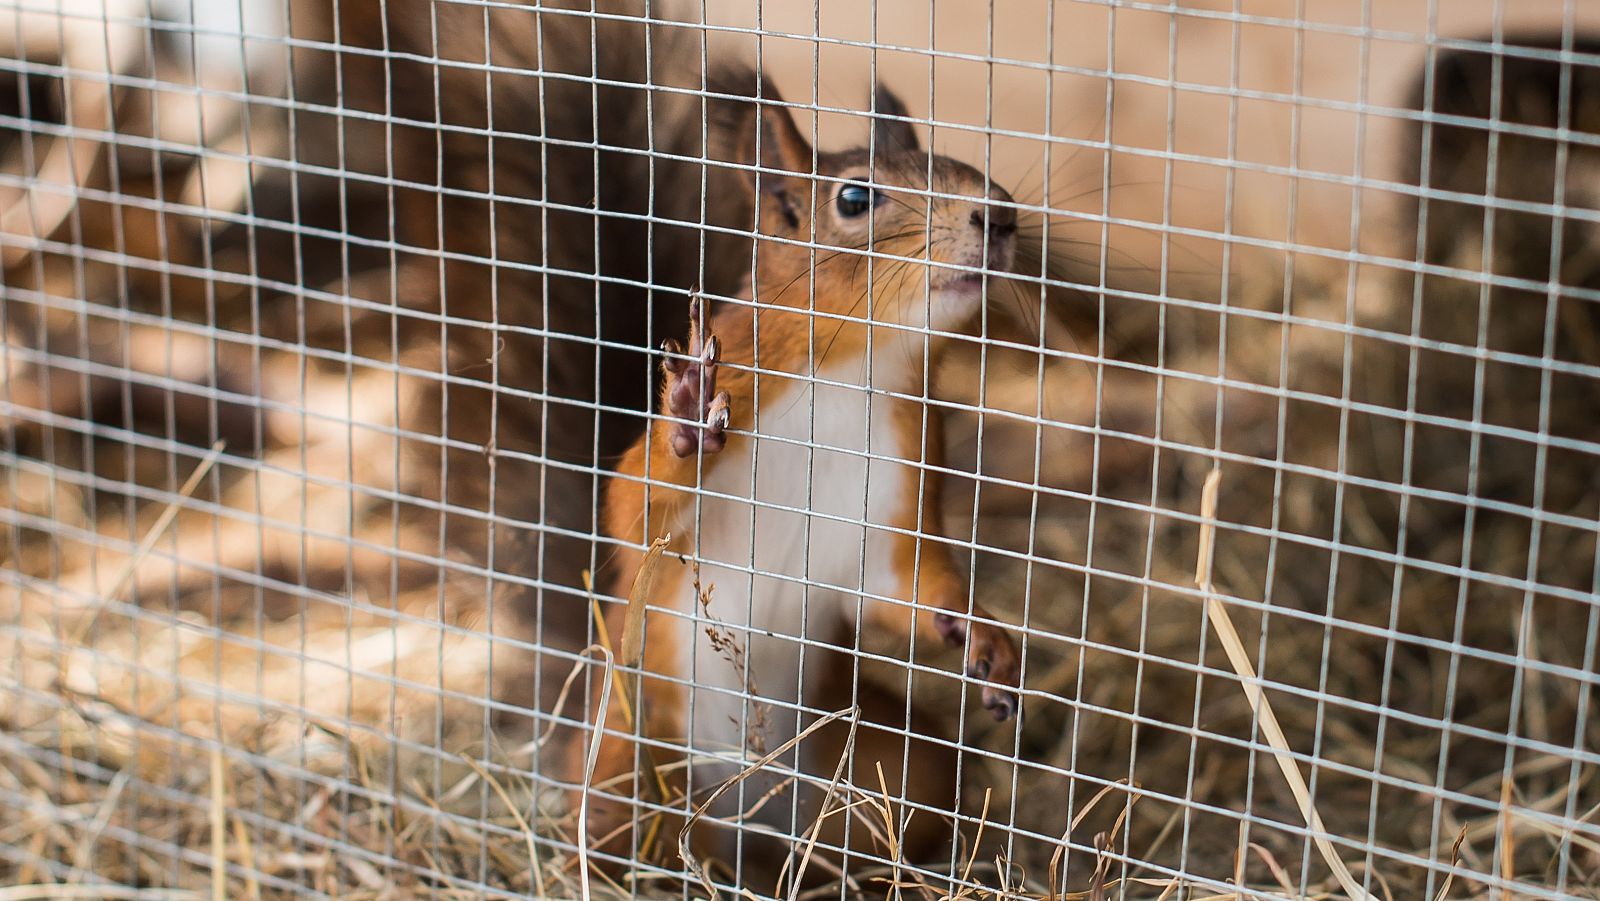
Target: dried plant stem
248	860
219	827
822	813
1217	615
632	652
644	582
157	529
589	762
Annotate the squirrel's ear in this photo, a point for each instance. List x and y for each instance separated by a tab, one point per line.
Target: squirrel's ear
782	145
744	123
890	133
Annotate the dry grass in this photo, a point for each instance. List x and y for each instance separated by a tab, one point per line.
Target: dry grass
326	727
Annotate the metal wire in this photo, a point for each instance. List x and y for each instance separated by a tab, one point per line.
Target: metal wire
328	332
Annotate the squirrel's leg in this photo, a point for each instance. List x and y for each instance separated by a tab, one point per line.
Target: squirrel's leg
928	576
655	475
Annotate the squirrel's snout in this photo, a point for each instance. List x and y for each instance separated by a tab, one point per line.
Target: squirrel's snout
1000	224
1001	221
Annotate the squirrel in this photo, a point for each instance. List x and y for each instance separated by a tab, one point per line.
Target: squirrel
794	465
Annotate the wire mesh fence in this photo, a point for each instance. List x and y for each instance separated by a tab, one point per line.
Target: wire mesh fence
651	448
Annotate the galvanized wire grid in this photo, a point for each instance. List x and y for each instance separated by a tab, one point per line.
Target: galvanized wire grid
325	330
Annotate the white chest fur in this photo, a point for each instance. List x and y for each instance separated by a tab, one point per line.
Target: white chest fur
788	530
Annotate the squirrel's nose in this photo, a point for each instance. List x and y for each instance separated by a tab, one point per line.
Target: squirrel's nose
1002	221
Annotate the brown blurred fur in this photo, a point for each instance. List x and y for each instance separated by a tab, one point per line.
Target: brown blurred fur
534	279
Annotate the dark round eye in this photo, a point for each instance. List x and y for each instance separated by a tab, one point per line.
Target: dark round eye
855	199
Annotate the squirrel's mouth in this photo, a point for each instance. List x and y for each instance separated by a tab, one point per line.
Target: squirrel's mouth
965	285
964	281
970	281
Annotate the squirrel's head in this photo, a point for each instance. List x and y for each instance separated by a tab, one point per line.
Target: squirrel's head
888	233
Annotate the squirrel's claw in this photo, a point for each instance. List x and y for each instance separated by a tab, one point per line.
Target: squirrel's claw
689	382
715	433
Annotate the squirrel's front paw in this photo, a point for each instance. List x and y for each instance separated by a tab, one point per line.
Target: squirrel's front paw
691	391
990	656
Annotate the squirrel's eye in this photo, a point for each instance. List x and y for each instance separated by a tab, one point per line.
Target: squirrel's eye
856	199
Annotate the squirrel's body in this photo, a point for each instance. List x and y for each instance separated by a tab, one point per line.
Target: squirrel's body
779	528
797	467
792	524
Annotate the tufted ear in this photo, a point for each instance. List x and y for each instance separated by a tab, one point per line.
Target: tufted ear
746	123
740	121
782	145
890	133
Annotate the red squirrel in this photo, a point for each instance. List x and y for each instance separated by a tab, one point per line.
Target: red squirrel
788	465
